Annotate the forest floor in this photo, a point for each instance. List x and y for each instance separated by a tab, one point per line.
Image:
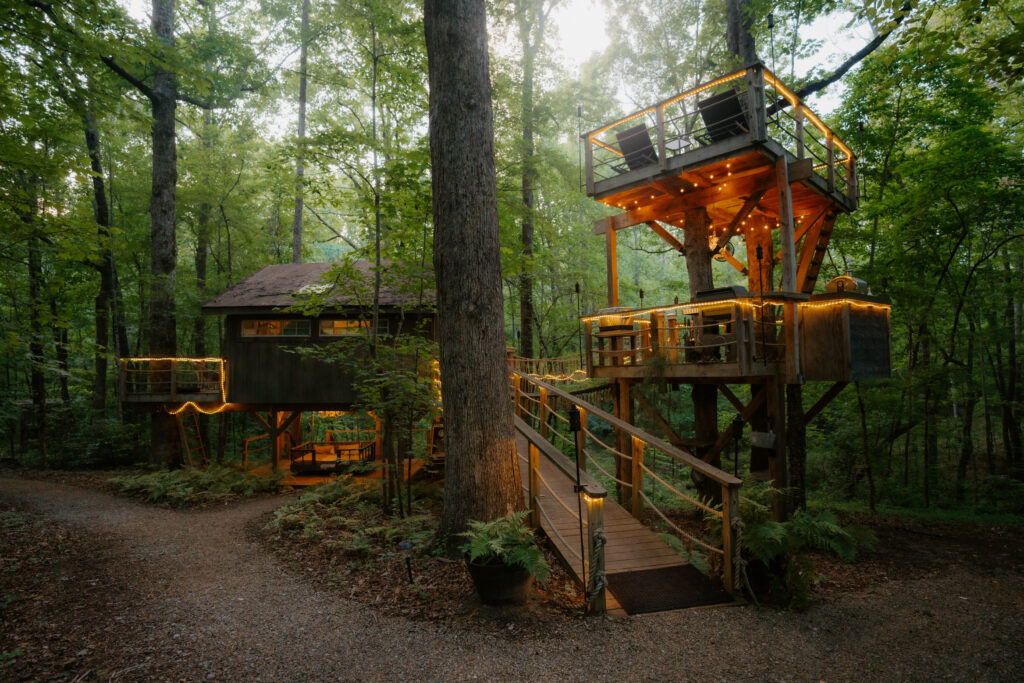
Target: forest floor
94	586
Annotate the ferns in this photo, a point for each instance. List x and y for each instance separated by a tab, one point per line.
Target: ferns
188	487
506	541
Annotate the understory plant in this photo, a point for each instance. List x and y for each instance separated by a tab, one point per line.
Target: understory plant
776	565
506	540
345	517
188	487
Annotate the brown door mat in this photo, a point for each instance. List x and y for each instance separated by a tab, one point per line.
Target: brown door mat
659	590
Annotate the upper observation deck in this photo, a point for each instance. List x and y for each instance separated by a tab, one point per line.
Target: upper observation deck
714	146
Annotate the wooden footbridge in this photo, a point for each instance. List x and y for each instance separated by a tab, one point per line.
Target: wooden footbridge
602	543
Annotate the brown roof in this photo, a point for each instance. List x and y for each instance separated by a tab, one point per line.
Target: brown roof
279	286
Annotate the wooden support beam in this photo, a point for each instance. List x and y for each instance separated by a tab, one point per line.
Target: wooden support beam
813	265
666	235
746	413
661	422
825	399
786	225
802	230
748	206
734	262
807	251
613	268
731	397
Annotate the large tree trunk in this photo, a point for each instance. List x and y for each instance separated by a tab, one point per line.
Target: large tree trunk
164	445
698	251
37	380
299	170
739	17
104	298
526	314
481	473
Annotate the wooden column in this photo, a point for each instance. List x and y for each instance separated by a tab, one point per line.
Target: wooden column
581	440
274	436
595	541
705	428
613	266
534	485
777	463
296	430
786	229
623	411
636	505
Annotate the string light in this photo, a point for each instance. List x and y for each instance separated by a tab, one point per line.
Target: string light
221	373
695	307
185	406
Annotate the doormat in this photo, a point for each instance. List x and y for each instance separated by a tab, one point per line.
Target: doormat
660	590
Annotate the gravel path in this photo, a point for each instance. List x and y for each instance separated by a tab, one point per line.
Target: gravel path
197	600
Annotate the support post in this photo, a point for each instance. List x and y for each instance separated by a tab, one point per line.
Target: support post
799	115
830	150
623	411
730	508
534	486
786	229
637	480
589	146
581	440
275	444
777	463
595	541
613	267
542	414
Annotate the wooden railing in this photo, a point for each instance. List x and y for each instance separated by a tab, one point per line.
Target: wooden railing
750	103
545	407
589	513
744	334
172	379
568	368
249	449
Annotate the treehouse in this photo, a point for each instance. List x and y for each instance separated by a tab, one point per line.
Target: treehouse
739	170
280	360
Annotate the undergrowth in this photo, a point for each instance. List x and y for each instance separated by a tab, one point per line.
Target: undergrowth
777	569
192	487
346	517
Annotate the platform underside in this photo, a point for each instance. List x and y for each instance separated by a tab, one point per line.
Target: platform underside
720	177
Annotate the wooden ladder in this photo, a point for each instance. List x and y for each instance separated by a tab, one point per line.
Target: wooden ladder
191	439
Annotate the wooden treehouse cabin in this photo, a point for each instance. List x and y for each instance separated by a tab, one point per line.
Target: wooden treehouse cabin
261	372
737	169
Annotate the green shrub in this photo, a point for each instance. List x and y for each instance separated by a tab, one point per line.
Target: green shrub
506	540
773	549
190	487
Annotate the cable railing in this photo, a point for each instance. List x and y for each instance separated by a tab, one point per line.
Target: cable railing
634	454
170	380
750	105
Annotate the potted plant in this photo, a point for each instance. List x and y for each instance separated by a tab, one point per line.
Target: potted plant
502	558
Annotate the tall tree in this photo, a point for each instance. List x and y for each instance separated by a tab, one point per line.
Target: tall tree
303	54
481	473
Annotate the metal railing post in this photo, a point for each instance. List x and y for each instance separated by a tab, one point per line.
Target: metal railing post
662	162
799	116
831	161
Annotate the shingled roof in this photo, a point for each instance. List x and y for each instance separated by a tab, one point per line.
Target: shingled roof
279	286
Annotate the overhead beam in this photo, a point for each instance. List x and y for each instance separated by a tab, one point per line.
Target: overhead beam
748	206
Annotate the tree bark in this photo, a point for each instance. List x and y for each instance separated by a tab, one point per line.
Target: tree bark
164	447
299	170
37	380
697	250
481	472
739	17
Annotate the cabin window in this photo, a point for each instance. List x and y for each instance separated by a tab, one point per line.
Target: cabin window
275	328
350	328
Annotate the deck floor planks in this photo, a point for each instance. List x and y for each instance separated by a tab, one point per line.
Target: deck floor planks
631	545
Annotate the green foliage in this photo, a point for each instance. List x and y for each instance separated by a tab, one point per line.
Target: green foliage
776	547
694	557
192	487
345	516
507	540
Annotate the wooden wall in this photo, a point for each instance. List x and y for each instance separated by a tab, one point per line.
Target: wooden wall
844	343
263	370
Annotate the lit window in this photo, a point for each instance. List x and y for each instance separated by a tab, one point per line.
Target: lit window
275	328
348	328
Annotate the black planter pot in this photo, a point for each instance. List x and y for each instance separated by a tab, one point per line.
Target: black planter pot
499	584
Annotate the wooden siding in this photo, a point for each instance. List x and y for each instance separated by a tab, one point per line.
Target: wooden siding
844	343
267	371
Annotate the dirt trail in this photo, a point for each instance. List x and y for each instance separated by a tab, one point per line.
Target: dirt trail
191	598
